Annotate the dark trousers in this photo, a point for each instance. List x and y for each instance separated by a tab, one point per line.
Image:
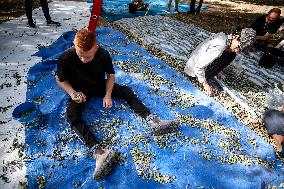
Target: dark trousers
74	110
274	122
261	45
271	57
219	64
192	6
29	9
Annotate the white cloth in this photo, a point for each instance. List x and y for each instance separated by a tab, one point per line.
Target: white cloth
204	54
282	44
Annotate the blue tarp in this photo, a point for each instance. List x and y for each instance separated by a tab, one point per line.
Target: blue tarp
211	150
117	9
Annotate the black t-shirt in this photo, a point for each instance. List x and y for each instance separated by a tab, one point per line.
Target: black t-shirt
261	27
84	75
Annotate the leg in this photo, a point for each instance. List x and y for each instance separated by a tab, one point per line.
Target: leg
105	158
219	64
192	7
74	117
124	92
45	9
176	4
29	9
169	5
159	126
199	6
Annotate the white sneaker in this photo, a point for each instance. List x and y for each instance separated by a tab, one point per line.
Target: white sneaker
104	163
161	127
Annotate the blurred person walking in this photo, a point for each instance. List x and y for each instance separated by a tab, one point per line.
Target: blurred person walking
45	10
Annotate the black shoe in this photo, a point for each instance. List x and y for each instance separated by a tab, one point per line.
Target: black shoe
31	24
52	23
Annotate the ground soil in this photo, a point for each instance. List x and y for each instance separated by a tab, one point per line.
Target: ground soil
11	9
226	15
222	15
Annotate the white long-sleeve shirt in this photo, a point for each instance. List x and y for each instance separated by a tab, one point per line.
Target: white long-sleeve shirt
281	44
204	54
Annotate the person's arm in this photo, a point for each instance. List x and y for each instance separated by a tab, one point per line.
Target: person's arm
271	31
264	37
280	45
107	100
109	70
66	86
62	76
205	58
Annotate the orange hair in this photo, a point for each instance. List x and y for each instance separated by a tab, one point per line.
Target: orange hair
85	39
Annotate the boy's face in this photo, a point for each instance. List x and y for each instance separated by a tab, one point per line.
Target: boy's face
86	56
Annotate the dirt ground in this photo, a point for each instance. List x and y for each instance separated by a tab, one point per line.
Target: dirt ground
11	9
222	15
226	15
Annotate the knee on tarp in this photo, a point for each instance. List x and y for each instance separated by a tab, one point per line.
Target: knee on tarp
28	114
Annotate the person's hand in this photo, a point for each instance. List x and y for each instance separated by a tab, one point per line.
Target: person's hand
208	89
220	76
107	102
78	97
